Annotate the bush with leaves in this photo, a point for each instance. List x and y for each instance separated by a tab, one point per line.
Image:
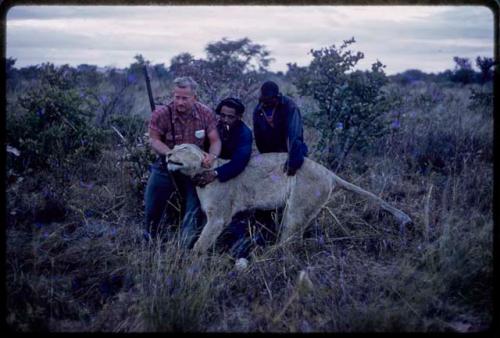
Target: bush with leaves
351	104
481	100
131	131
463	72
55	129
114	95
485	65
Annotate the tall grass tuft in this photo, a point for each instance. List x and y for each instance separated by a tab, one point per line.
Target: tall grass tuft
176	290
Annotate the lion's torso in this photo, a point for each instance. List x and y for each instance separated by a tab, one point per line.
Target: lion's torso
264	185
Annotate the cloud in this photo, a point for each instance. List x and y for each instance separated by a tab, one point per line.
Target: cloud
399	36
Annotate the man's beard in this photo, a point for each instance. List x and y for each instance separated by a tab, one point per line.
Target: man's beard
223	130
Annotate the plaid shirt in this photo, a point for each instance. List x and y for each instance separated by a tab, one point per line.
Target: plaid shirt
185	125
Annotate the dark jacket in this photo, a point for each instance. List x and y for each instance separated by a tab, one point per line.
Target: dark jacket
236	147
287	131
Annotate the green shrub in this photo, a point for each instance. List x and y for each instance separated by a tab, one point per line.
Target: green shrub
351	105
55	129
135	153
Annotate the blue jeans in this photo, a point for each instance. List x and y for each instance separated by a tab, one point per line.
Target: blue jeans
159	190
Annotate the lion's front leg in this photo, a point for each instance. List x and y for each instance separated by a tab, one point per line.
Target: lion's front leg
209	235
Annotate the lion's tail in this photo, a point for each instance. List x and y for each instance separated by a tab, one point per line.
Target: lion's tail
400	216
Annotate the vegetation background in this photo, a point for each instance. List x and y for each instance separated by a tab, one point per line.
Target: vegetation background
77	164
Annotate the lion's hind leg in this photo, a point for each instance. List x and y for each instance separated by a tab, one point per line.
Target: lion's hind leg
294	224
300	210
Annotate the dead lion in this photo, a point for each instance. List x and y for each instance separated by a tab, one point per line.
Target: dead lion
263	185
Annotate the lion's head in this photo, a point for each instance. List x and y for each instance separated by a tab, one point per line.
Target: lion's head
185	158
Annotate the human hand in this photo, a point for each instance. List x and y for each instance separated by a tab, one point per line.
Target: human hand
208	160
204	178
167	154
289	170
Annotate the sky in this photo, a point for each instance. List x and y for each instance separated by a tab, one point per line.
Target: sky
401	37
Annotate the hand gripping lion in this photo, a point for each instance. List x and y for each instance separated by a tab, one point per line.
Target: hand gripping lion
263	185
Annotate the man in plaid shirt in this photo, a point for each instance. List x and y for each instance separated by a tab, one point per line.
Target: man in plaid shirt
183	120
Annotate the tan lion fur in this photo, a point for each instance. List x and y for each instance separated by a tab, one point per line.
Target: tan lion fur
263	185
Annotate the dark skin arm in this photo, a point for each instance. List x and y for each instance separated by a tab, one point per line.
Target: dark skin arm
214	151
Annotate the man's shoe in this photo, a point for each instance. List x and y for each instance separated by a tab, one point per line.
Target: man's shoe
241	264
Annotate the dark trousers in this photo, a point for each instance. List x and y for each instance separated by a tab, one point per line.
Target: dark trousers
247	230
161	189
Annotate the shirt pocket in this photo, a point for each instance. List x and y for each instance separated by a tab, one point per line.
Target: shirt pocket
170	139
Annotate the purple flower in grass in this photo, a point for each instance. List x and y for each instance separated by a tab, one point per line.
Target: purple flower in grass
169	282
104	99
339	126
146	235
193	270
395	113
305	326
105	288
40	112
321	240
86	185
395	124
131	78
75	284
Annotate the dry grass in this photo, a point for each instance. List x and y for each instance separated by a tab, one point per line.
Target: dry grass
91	271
